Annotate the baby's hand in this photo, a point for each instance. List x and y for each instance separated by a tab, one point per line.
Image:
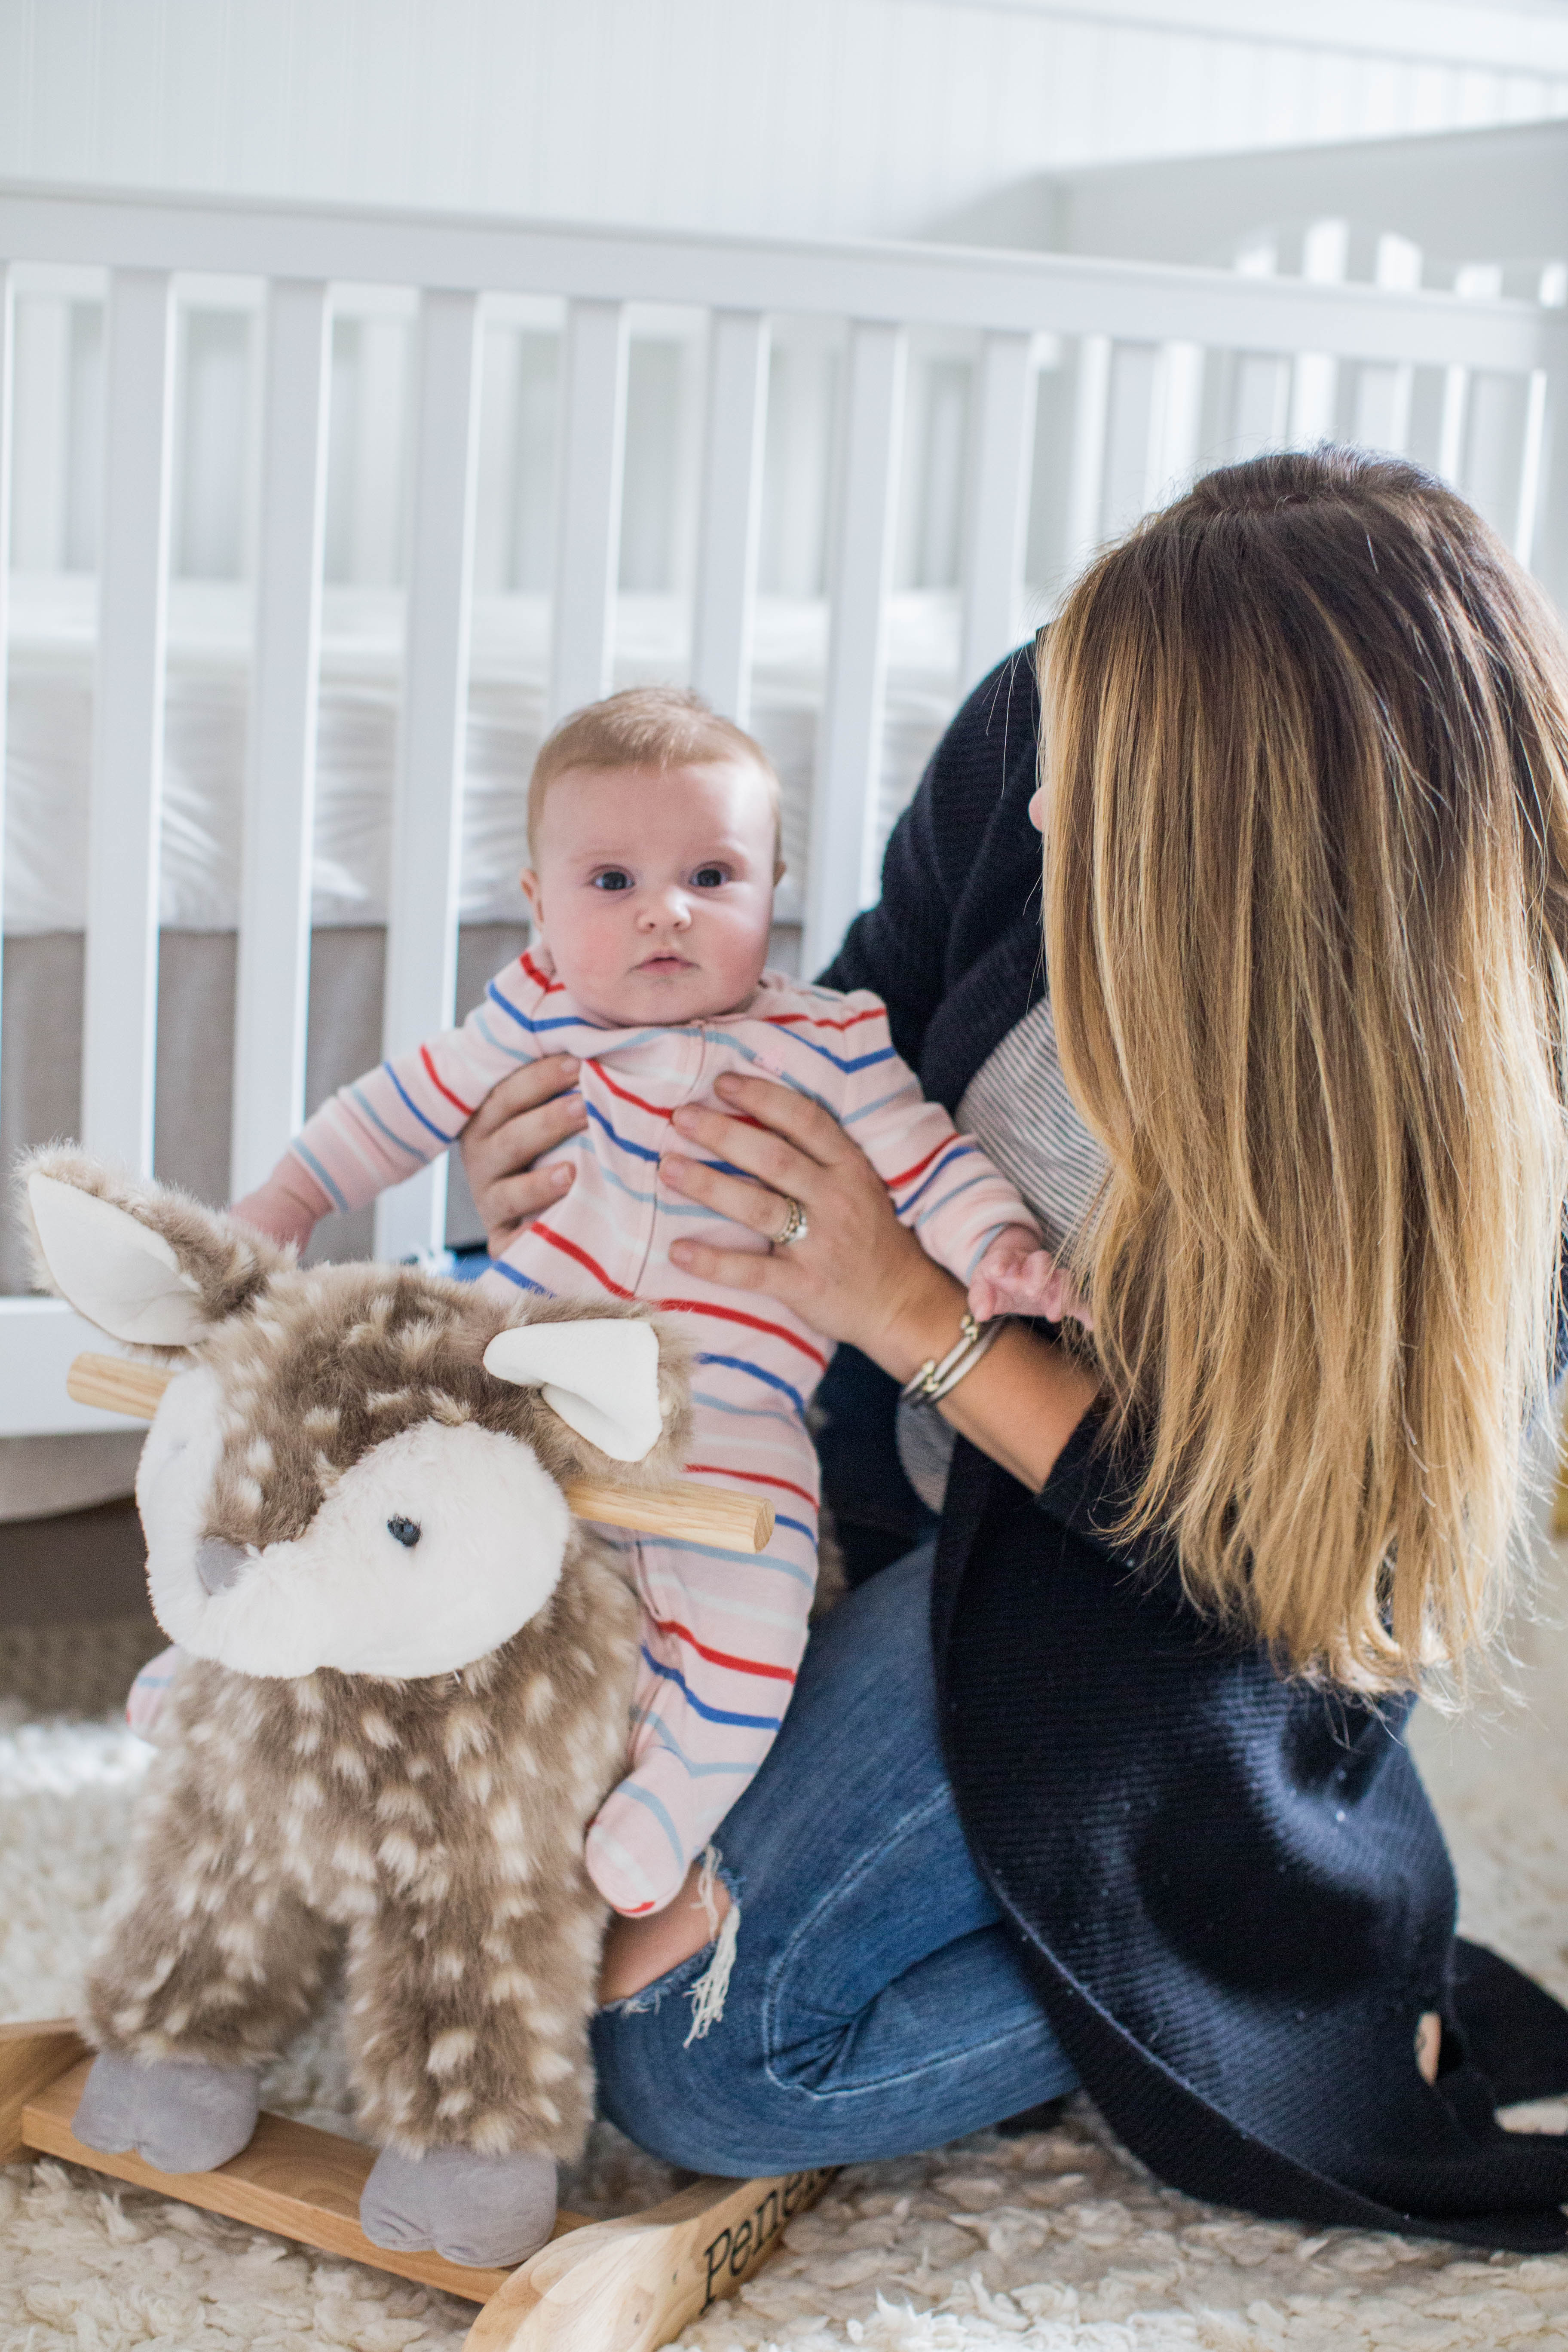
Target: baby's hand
1016	1276
280	1210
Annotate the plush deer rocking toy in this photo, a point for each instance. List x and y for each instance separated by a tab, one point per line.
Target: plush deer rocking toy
404	1694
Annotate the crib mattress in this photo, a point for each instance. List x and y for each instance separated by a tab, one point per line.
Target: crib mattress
50	737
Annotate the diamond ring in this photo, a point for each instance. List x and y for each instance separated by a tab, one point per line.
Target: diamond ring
796	1227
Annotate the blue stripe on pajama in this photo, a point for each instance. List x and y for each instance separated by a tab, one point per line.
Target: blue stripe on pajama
409	1104
319	1172
708	1714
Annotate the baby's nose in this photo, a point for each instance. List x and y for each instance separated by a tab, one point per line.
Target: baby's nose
667	907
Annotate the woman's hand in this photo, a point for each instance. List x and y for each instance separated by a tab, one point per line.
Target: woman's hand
855	1275
526	1115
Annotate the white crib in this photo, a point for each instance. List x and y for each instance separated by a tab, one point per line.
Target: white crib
873	460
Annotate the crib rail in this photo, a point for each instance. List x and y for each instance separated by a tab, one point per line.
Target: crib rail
1092	387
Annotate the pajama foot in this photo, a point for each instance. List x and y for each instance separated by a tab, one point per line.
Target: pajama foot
487	2210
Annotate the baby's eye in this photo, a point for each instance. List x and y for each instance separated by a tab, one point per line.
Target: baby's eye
614	878
709	877
403	1531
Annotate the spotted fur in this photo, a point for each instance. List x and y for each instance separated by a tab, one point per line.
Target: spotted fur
229	1263
429	1830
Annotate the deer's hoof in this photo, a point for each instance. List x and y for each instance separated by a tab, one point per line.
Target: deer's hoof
490	2211
178	2114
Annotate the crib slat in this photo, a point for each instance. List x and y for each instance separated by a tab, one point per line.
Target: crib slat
1085	501
1180	400
1548	533
119	1032
427	806
7	367
1532	453
731	512
274	971
850	744
1001	465
1131	435
588	519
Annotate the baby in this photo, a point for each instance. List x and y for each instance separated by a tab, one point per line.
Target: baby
653	826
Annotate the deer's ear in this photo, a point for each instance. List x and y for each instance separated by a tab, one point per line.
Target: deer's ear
147	1266
599	1375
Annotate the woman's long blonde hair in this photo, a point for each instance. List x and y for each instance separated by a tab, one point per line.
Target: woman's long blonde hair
1305	757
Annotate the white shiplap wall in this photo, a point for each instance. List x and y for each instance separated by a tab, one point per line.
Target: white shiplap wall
830	117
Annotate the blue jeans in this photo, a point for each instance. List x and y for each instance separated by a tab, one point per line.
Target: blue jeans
877	2006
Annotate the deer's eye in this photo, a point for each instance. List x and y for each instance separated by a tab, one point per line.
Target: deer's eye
403	1531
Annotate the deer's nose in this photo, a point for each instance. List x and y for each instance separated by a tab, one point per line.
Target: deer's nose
219	1563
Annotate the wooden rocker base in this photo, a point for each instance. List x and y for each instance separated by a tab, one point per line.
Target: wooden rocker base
627	2285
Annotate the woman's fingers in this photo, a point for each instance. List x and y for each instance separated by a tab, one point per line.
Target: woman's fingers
743	1202
795	1116
518	1200
525	1116
793	1144
525	1089
738	1270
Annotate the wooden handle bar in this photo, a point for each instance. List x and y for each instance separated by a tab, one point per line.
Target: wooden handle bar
709	1514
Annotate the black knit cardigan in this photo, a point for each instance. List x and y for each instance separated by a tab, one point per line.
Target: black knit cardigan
1231	1888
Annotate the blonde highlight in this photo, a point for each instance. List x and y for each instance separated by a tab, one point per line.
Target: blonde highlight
1305	747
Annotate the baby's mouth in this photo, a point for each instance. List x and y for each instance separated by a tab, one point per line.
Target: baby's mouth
668	962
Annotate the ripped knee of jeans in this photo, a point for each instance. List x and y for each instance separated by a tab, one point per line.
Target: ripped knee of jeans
704	1975
711	1990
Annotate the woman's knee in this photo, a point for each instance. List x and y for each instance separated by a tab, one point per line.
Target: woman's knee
706	2104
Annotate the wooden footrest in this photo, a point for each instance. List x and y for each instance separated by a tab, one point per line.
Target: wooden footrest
626	2285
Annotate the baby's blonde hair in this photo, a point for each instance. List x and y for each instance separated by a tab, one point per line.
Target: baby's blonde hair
644	727
1305	753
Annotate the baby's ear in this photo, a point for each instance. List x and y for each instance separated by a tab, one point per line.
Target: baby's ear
147	1265
618	1380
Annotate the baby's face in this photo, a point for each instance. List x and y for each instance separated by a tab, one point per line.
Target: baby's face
653	888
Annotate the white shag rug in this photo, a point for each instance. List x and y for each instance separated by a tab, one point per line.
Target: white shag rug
1053	2242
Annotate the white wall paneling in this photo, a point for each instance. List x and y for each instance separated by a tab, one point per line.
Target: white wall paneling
844	806
121	979
1002	437
274	959
730	527
588	519
422	922
763	117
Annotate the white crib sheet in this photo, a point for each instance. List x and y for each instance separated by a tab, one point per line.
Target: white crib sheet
50	737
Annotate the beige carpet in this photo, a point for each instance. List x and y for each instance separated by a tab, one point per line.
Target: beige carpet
1055	2243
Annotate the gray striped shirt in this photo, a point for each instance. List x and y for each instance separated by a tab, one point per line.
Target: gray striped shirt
1018	1110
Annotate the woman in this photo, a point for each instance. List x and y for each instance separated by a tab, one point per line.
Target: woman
1109	1785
